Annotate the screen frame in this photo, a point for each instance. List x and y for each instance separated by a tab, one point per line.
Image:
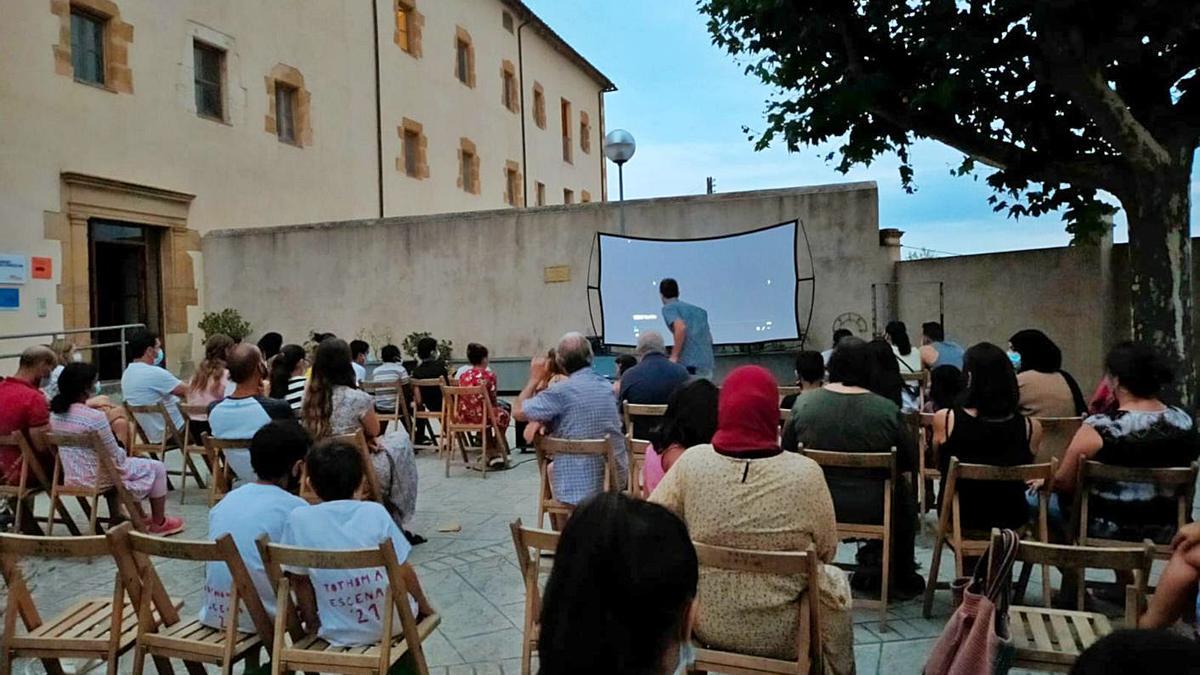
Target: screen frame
796	229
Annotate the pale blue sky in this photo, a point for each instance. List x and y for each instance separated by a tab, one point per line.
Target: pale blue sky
686	101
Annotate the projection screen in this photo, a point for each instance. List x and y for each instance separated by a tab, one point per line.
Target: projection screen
747	281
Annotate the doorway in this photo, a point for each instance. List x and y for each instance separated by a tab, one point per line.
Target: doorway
126	285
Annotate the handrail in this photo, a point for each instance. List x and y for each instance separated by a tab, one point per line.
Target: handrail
53	335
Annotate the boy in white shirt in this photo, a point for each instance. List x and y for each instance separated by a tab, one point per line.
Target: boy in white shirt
254	509
346	604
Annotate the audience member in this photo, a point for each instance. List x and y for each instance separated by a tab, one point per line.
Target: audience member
896	333
744	491
23	409
430	366
1143	432
621	595
346	604
693	344
581	407
845	416
885	374
246	410
252	510
67	353
988	428
64	352
1046	389
527	431
810	375
945	386
146	382
211	379
936	350
333	407
391	371
690	420
652	380
624	363
142	477
270	344
837	337
287	376
471	408
1140	652
1176	591
358	359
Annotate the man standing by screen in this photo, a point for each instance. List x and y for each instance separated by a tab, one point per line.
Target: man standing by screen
689	325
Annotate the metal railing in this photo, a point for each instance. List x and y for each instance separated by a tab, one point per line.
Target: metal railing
54	335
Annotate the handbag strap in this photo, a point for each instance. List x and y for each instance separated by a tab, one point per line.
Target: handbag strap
999	575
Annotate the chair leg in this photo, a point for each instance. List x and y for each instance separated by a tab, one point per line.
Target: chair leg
526	657
183	482
934	565
93	517
139	660
53	508
883	586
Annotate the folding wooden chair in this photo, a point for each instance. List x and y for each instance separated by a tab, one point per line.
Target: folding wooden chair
876	465
89	495
423	415
191	415
1182	480
172	439
531	544
457	433
370	488
809	655
548	448
927	465
310	652
400	412
32	481
188	639
93	629
786	390
631	411
973	544
1057	433
1051	639
221	477
637	463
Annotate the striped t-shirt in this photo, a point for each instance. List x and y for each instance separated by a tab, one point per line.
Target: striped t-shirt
295	392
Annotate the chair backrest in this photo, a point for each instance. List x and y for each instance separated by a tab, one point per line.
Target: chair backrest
637	460
29	460
424	385
389	388
881	463
370	484
549	447
450	398
527	539
1057	433
88	441
786	390
1022	474
808	606
632	410
1181	481
171	434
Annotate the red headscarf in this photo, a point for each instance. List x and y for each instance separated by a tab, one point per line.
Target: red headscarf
748	411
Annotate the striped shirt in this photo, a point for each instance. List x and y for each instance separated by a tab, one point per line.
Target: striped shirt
295	392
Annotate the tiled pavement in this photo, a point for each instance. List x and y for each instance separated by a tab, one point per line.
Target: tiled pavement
470	576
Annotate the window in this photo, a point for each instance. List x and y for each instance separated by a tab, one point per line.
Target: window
512	184
408	27
412	161
412	153
209	65
464	57
285	112
468	167
566	129
87	46
508	85
568	196
585	132
539	105
541	194
585	197
506	20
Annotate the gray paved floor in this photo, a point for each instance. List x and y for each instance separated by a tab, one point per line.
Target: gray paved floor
471	577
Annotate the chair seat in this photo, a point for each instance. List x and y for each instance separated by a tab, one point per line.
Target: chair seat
1054	636
312	650
82	630
729	662
195	638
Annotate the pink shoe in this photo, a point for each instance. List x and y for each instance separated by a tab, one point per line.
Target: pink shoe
166	528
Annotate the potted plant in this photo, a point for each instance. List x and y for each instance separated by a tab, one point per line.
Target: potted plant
227	321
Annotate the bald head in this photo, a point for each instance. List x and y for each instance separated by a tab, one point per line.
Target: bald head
574	352
244	362
36	364
650	342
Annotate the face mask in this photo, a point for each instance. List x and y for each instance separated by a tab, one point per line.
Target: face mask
96	388
687	655
77	357
158	357
1015	357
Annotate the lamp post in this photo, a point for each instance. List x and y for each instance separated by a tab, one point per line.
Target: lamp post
619	147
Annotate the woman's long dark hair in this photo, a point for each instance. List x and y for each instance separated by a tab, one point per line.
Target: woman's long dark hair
624	577
282	367
991	382
74	386
1039	353
885	371
897	332
331	367
269	345
945	386
691	417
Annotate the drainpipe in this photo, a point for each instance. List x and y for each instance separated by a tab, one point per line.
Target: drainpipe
521	79
378	106
603	166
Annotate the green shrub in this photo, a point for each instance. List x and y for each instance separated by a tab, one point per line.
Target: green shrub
227	321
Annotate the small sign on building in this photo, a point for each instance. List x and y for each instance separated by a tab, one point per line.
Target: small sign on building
14	268
41	268
10	299
557	274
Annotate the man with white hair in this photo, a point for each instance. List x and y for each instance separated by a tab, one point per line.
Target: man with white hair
652	380
582	407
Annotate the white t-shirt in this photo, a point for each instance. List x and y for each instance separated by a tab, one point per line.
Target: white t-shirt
360	371
349	602
144	384
246	513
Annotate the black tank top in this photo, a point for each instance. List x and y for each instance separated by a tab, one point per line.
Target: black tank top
987	504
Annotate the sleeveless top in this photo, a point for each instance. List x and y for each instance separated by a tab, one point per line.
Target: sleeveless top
949	354
988	504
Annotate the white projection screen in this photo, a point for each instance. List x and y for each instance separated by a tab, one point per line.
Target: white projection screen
747	281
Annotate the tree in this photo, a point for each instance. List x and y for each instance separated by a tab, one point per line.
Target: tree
1061	99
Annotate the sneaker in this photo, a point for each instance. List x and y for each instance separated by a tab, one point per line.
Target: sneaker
414	539
496	463
166	528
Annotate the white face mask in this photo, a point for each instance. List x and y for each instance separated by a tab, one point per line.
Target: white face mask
687	655
77	357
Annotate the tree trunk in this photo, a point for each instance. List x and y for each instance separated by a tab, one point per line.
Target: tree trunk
1160	267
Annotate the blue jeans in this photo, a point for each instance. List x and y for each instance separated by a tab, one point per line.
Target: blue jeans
1056	520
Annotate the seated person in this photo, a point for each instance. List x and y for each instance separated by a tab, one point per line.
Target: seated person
1046	389
23	409
358	359
554	374
810	375
246	410
690	420
1176	591
252	510
211	381
598	616
67	353
623	362
945	386
146	382
838	335
142	477
936	350
287	376
1144	432
391	371
345	605
1139	652
270	344
471	408
430	366
652	380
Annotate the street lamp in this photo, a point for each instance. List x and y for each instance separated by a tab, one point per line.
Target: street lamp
619	147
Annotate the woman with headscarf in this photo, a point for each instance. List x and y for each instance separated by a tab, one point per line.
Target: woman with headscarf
1046	389
743	491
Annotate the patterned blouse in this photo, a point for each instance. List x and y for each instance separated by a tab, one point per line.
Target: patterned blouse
470	408
81	466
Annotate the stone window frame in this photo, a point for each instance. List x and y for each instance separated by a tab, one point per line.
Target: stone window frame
564	112
510	92
467	146
461	36
118	35
585	197
512	184
568	196
540	193
415	22
407	129
539	105
585	132
301	116
222	83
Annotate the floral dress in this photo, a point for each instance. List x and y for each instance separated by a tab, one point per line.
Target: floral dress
470	408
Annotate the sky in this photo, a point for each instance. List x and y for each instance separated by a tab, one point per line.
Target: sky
686	101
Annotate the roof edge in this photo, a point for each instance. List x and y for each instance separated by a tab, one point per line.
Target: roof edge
561	45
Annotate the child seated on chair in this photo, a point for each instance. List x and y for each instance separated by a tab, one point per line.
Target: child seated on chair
346	605
252	510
